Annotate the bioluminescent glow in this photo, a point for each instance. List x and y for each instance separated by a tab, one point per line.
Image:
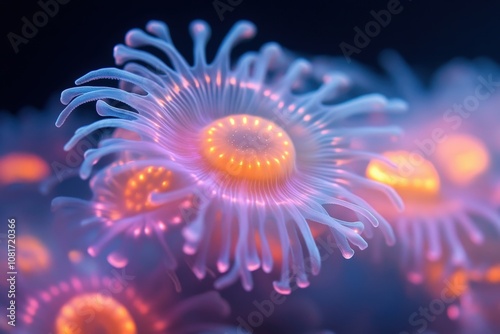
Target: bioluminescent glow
258	157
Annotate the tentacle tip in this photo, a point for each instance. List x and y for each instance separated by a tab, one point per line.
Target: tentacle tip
303	283
415	277
316	270
248	28
222	266
188	233
199	26
118	52
56	203
133	38
152	25
92	251
267	268
400	205
84	174
188	249
83	79
374	221
253	265
337	79
63	99
390	240
399	105
348	254
68	146
200	273
282	288
362	246
273	48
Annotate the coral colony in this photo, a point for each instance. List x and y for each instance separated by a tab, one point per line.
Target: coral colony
241	168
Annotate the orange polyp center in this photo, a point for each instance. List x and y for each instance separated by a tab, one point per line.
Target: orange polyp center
33	256
139	186
463	158
493	274
22	167
414	177
248	147
94	313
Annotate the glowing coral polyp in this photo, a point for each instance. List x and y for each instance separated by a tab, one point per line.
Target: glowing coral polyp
253	185
102	304
121	205
453	157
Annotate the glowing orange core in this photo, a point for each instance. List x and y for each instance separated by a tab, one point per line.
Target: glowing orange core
248	147
33	256
22	167
94	313
463	158
140	185
414	177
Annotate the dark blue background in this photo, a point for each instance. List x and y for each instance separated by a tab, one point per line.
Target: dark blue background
81	36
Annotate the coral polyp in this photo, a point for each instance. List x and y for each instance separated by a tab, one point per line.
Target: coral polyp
261	160
104	304
121	205
112	316
445	161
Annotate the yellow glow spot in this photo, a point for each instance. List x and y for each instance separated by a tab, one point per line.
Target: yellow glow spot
33	256
493	274
108	316
415	177
244	144
462	158
75	256
459	282
22	168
